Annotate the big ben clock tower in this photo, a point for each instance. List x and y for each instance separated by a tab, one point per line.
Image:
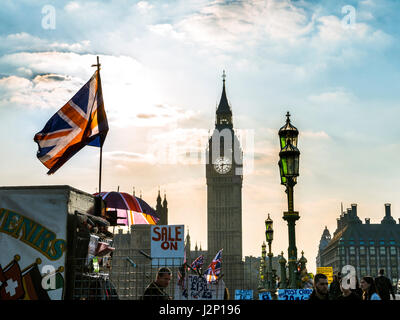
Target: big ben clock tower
224	196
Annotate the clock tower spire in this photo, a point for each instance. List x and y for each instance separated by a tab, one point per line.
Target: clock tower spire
223	117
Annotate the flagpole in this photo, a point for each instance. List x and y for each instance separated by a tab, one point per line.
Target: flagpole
101	158
101	146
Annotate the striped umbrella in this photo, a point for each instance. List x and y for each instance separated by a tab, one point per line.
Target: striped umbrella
130	209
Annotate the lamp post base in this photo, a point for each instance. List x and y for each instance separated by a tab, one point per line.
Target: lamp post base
291	217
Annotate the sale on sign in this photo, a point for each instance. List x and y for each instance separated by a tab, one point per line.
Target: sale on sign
167	244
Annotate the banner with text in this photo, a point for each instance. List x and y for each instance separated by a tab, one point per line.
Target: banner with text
264	295
328	271
167	245
33	233
198	289
243	294
294	294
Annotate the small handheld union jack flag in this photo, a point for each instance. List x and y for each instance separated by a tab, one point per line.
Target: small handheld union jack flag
196	264
214	269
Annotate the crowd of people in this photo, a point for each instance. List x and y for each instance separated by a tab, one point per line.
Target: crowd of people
341	288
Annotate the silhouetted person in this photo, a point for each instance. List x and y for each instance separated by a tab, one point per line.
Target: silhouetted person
357	289
155	290
334	288
384	286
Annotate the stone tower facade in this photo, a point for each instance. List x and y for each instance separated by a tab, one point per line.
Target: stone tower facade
323	243
224	196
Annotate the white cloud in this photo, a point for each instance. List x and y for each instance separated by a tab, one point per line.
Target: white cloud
44	91
226	26
338	96
72	6
304	37
14	83
315	135
144	6
127	157
365	16
347	44
26	42
370	3
166	30
24	72
130	94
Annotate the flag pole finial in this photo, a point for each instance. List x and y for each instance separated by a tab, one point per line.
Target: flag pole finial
98	64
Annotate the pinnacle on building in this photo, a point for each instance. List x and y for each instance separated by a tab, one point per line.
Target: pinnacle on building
162	209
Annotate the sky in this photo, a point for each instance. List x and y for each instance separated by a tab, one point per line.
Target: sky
333	64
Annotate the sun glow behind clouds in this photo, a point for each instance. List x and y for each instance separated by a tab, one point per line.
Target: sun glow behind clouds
130	91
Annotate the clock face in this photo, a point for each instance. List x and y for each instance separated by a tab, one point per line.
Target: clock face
222	165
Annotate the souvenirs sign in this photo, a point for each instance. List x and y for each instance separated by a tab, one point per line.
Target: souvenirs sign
33	233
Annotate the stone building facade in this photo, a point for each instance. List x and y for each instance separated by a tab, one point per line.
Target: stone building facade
366	246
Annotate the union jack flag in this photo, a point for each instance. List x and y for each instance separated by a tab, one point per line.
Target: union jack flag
81	121
214	269
196	264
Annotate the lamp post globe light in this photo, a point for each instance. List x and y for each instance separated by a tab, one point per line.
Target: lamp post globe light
289	171
288	133
269	231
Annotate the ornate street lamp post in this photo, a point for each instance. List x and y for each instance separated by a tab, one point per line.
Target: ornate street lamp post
289	171
261	277
264	265
269	236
